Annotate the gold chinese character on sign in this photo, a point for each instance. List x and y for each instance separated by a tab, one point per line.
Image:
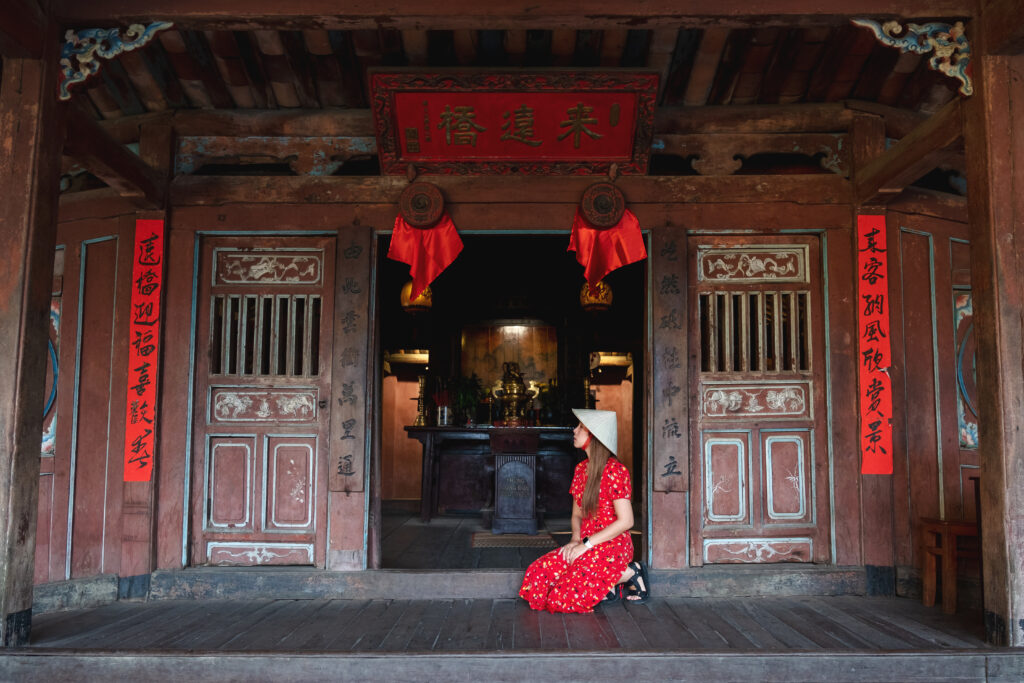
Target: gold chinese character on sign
518	126
459	126
579	117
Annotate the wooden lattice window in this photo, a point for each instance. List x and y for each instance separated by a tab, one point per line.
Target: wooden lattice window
765	331
265	335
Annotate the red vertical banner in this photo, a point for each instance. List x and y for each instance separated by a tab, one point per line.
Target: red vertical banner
873	357
143	350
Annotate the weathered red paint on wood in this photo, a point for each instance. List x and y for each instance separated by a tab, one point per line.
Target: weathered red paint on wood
669	460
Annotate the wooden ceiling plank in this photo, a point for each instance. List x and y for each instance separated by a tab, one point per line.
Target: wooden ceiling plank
279	71
783	62
851	66
588	48
659	55
911	157
751	73
159	66
465	46
896	81
876	71
141	77
511	14
120	86
302	68
327	68
231	68
832	56
111	162
729	67
563	46
674	88
612	45
104	102
352	91
199	52
918	85
415	45
705	66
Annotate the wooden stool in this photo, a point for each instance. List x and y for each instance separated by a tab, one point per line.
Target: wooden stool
939	538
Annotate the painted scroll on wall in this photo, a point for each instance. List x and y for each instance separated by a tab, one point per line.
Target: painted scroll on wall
143	350
873	357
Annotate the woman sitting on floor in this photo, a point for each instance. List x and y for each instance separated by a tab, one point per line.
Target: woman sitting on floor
595	562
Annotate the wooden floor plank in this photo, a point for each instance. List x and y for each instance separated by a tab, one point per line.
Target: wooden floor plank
111	631
239	632
466	627
501	630
184	614
323	624
430	626
47	632
397	640
878	638
661	627
552	631
715	633
526	627
791	637
730	610
374	632
373	624
885	612
285	622
219	614
784	612
627	633
590	632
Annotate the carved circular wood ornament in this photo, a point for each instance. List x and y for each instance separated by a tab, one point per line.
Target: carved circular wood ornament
603	205
421	205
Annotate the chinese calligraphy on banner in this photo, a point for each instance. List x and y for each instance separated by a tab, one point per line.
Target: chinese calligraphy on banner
143	350
568	122
873	357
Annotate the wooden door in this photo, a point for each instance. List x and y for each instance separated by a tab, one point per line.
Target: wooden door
262	419
758	436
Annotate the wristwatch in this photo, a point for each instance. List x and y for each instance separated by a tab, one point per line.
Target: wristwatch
586	542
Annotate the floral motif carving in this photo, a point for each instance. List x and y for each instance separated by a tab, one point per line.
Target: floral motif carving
240	268
765	401
758	550
285	405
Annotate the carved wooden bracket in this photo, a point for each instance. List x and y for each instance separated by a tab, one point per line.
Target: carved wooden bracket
81	50
724	154
952	51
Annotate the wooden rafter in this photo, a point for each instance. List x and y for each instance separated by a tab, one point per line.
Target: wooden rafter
920	151
112	163
471	14
22	29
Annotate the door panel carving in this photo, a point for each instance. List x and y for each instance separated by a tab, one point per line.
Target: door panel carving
263	396
757	382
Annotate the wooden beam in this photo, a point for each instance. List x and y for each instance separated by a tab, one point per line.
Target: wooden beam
1001	28
112	163
22	29
792	189
910	158
791	118
514	14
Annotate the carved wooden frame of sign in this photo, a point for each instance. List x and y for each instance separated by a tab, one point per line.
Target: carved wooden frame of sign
671	464
352	394
464	122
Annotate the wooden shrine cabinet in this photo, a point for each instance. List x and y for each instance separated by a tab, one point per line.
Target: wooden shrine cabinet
515	481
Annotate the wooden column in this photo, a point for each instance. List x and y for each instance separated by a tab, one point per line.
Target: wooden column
995	155
867	136
29	176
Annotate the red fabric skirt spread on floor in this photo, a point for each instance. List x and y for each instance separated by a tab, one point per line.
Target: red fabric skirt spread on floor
553	584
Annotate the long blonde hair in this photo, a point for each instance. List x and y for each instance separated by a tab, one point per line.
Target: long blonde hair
597	458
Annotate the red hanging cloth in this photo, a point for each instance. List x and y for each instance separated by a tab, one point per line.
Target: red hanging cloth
428	251
602	251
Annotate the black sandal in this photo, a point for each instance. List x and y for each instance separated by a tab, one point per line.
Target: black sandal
636	587
613	595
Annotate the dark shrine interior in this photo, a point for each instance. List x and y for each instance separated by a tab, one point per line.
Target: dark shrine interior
501	280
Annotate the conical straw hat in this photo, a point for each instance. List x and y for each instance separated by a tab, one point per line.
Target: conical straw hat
601	424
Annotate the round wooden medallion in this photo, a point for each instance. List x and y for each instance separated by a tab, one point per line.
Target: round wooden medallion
421	205
603	205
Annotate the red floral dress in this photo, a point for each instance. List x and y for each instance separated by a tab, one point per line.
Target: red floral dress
553	584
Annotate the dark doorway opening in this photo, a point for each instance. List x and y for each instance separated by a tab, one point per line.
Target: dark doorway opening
505	297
